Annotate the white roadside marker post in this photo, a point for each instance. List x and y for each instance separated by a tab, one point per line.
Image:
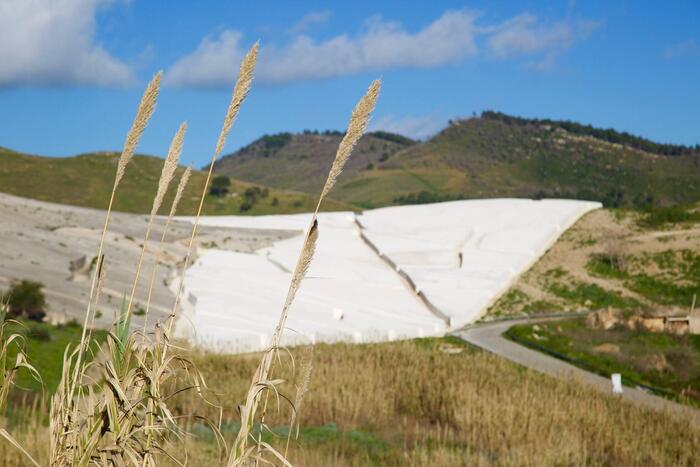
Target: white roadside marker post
616	383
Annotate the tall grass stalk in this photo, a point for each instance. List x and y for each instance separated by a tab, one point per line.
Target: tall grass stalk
66	444
262	384
8	370
166	176
184	179
143	115
240	92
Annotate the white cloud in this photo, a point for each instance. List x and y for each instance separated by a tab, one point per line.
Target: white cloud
382	45
212	64
309	20
416	127
52	42
524	35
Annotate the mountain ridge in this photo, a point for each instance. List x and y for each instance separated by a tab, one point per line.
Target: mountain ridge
492	155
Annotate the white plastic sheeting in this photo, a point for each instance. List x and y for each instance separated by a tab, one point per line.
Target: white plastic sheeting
349	294
464	254
459	255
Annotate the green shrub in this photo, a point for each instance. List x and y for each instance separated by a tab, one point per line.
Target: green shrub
39	333
606	265
425	197
659	217
25	296
592	296
220	186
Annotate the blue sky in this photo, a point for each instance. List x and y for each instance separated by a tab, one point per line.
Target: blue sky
72	71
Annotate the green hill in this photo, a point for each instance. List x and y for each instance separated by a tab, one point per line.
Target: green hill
301	161
494	155
86	180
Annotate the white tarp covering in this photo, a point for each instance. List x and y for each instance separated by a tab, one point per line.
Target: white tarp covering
460	255
464	254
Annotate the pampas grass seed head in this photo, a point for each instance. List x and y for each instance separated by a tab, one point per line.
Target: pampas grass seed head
180	190
143	115
171	163
356	128
240	91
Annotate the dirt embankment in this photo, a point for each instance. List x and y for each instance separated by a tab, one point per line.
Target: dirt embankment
608	259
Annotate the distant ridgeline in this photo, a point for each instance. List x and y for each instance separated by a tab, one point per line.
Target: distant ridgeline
493	155
606	134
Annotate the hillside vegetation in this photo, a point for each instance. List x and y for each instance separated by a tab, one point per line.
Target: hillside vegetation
494	155
622	259
668	363
86	180
299	161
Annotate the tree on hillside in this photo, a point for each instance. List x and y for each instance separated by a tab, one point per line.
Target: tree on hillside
220	185
25	298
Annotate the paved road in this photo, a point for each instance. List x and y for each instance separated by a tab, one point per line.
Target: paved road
489	337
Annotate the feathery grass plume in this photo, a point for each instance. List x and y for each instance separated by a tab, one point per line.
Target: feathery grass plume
63	403
261	381
173	208
356	128
184	179
171	163
302	267
166	176
143	115
240	91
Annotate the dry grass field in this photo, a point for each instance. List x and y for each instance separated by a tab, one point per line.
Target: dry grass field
425	402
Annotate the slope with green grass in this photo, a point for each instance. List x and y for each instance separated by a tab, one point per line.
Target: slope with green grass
667	362
618	258
45	347
86	180
494	155
301	161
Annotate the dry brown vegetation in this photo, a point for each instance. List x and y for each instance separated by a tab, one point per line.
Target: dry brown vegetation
413	403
